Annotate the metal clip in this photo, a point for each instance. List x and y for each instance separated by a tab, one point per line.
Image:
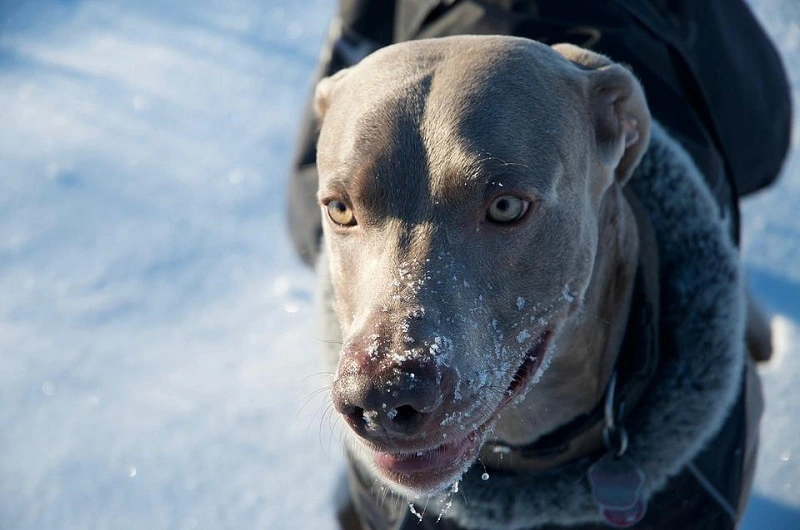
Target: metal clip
615	436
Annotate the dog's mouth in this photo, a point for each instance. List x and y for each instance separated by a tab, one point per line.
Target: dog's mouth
527	371
430	469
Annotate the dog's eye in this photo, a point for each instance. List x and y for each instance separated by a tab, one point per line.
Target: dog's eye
507	209
340	213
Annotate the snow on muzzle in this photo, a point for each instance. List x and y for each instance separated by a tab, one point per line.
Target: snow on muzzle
393	400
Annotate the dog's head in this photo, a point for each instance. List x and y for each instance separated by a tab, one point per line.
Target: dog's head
461	181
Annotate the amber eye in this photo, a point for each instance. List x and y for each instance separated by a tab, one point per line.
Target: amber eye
507	209
340	213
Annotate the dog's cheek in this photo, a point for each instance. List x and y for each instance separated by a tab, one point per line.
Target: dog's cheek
559	258
342	284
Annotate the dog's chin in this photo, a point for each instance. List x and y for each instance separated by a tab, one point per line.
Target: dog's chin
424	473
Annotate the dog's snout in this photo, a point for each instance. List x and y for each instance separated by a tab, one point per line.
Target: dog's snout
386	400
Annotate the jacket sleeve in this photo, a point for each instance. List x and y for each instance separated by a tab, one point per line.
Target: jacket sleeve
361	27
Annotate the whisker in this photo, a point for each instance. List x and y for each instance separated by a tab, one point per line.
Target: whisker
313	395
319	374
328	341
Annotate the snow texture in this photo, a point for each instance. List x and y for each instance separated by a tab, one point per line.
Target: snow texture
159	354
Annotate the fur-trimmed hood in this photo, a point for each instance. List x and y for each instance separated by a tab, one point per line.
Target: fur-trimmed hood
702	320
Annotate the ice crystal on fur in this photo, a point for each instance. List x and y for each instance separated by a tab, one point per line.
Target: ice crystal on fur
447	501
567	295
457	390
414	511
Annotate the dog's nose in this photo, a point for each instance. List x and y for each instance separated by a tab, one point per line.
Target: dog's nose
392	400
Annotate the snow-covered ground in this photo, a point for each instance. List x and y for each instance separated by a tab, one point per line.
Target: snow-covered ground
158	356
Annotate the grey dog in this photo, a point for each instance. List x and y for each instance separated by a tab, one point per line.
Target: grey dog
513	248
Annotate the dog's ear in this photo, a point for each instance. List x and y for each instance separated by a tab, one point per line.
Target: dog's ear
617	102
325	91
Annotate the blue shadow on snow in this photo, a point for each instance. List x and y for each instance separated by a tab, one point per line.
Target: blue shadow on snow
776	294
767	514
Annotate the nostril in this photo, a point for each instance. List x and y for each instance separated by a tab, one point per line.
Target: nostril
399	419
355	416
403	415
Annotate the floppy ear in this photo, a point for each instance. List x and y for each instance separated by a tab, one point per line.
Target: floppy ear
325	91
619	108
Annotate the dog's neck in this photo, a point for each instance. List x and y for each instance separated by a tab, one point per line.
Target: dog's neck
576	381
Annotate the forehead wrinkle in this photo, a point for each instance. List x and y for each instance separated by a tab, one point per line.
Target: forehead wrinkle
385	169
474	138
336	181
466	178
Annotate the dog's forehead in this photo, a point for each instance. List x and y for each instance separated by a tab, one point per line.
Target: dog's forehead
438	118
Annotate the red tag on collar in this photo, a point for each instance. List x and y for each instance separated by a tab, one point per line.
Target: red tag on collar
617	490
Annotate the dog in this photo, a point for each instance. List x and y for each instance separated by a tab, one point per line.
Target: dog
542	322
